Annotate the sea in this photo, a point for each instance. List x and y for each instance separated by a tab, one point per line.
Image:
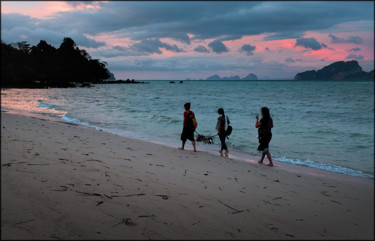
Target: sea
326	125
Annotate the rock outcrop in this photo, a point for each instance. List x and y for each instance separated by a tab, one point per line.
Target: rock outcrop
337	71
236	77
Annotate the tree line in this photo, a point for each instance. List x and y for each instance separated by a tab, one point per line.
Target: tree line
43	65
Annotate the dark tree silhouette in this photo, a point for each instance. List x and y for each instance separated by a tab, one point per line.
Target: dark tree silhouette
44	66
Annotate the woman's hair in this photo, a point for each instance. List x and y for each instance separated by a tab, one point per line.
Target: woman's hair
187	105
266	113
220	111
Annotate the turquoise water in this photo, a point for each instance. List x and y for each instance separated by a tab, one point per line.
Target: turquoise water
324	125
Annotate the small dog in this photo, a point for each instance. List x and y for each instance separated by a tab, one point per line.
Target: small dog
205	139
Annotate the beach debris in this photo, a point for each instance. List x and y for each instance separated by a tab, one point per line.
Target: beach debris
290	235
147	216
195	223
268	202
274	228
130	195
236	211
54	236
25	221
277	198
40	164
325	194
163	196
276	181
98	203
7	165
93	160
63	190
90	194
335	202
107	196
127	221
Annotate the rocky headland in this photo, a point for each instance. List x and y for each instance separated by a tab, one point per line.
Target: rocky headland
341	70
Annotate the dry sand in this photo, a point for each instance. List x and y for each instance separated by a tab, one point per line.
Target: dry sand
64	181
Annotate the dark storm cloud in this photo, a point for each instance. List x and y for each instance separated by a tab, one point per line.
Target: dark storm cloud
221	20
201	49
354	56
309	43
351	39
248	49
218	47
25	28
177	63
153	46
116	51
14	20
354	50
291	60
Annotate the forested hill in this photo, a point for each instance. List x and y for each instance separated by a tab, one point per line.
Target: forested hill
44	66
337	71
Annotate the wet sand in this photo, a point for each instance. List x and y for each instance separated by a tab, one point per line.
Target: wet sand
64	181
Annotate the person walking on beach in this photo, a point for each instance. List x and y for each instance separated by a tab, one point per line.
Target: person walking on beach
188	128
221	126
264	134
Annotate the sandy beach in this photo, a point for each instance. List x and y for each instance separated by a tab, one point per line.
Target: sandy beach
65	181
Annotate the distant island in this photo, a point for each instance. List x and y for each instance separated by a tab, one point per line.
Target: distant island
337	71
236	77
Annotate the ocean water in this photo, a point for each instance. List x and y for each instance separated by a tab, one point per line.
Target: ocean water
322	125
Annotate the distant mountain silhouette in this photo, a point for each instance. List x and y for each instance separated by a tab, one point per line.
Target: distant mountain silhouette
236	77
337	71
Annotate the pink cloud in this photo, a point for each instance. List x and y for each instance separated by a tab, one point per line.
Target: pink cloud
42	9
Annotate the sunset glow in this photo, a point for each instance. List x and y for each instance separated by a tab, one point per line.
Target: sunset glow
239	36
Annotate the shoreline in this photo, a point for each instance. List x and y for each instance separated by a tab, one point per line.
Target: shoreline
65	181
234	154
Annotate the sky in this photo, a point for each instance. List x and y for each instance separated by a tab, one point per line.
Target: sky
176	40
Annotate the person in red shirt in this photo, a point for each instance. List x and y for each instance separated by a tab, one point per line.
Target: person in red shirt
188	128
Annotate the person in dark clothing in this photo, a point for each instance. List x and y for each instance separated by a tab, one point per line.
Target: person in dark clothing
221	126
264	134
187	131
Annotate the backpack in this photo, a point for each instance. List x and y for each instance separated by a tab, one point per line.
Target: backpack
191	121
229	130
